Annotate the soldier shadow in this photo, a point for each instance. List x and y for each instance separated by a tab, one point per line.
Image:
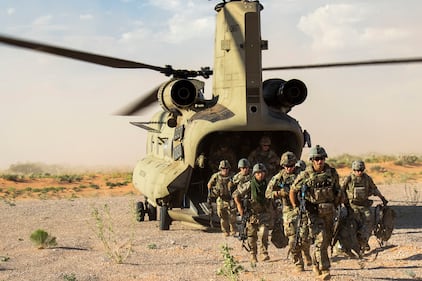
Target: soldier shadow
408	217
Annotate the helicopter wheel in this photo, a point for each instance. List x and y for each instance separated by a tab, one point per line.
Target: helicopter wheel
165	219
140	211
152	211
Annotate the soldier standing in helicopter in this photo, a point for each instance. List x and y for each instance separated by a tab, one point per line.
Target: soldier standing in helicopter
265	155
220	186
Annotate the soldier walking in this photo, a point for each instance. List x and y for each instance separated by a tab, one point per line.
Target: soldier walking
278	189
219	186
320	185
259	207
358	187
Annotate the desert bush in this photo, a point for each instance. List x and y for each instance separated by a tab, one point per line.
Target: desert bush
42	239
231	268
343	160
14	177
117	247
69	277
70	178
404	160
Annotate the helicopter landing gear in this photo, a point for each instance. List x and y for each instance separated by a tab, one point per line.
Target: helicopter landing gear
143	208
140	211
165	219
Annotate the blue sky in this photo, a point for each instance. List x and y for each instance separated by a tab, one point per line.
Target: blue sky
56	110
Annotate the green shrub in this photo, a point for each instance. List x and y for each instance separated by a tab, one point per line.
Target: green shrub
42	239
231	268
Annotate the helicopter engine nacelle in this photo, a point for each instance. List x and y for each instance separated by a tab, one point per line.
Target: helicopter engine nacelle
284	95
179	94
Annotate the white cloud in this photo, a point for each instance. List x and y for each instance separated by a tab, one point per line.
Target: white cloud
10	11
86	17
44	20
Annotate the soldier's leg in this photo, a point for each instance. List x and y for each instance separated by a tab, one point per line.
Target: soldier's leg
263	232
232	220
252	240
222	214
366	229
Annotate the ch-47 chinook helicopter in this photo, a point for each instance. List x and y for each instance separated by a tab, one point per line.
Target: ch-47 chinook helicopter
185	133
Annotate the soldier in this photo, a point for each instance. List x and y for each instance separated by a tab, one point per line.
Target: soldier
222	151
320	186
278	189
244	174
259	206
265	155
358	187
219	186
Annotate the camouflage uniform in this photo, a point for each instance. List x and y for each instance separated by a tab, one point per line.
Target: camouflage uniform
322	195
267	157
259	221
358	188
279	187
221	152
220	186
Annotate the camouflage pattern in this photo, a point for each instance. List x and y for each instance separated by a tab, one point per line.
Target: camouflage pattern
358	189
278	188
221	189
322	195
259	223
240	178
268	158
221	152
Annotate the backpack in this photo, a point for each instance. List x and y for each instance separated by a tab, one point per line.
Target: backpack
278	238
385	218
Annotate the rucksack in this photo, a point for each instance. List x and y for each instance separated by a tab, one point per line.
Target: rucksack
385	218
278	238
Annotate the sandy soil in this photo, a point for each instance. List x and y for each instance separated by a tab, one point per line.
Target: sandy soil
183	252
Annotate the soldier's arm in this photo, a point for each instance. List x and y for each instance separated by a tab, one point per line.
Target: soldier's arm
373	190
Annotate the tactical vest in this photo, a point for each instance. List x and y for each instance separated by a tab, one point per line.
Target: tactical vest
221	188
239	178
358	189
321	187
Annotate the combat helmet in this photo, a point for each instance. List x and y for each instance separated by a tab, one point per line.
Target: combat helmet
259	167
288	159
301	165
243	163
224	164
317	151
358	165
265	140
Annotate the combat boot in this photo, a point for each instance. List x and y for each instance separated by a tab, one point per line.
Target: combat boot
316	270
325	275
265	257
253	259
299	268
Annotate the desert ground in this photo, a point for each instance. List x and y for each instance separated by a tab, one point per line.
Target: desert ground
182	253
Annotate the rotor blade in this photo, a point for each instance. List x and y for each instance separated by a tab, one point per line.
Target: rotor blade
78	55
145	101
344	64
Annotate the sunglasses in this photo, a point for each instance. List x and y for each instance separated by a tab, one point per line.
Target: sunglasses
319	159
358	171
289	166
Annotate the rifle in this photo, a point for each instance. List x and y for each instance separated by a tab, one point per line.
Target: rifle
337	221
302	210
243	229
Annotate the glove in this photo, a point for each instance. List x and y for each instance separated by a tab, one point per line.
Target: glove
209	200
384	201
